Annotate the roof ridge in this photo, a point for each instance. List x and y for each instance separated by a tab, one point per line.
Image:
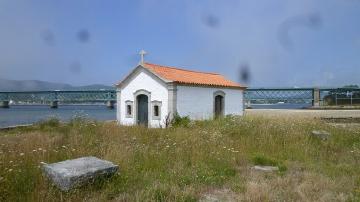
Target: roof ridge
170	67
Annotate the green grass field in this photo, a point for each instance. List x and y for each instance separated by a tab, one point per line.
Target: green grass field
200	160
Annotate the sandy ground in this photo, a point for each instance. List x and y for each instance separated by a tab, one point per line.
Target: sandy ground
305	113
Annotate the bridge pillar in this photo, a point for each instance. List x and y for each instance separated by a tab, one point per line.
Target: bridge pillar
54	104
316	97
4	104
110	104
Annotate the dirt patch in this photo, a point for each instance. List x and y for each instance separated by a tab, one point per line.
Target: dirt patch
297	184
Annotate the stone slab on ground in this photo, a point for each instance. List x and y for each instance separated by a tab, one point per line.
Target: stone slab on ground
76	172
221	195
266	168
321	134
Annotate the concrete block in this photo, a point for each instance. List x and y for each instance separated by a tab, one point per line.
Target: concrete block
77	172
321	134
266	168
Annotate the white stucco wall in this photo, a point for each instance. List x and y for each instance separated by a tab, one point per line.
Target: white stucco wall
159	92
198	102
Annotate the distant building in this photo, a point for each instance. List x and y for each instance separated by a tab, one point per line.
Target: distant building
151	93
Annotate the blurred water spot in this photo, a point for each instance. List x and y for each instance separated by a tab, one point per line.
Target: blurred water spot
211	21
244	73
75	68
311	21
48	37
83	36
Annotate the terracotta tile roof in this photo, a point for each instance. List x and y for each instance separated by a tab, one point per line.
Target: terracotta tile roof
190	77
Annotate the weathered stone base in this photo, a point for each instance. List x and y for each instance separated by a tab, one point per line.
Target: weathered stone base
54	104
4	104
110	104
77	172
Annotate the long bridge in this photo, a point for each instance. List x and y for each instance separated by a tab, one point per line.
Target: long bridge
313	96
53	98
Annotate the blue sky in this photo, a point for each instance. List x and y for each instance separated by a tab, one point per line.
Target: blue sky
281	43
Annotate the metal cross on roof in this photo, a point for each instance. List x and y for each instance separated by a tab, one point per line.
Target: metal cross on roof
142	54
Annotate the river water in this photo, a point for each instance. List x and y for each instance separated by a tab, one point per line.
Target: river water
22	114
27	114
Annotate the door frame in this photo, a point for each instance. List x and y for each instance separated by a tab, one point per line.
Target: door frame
148	94
221	93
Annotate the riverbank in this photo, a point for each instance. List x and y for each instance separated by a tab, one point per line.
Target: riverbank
355	107
200	161
27	116
16	126
314	113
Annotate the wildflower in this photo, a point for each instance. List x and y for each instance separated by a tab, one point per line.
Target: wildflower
167	146
43	163
22	154
10	170
64	146
10	161
73	150
34	150
40	149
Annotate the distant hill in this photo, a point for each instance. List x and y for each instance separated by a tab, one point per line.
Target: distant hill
35	85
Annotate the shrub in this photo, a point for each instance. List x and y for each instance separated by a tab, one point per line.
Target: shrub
49	123
260	159
179	121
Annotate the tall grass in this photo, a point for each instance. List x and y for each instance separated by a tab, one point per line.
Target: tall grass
205	158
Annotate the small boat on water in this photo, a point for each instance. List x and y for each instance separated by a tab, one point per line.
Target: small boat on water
281	102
